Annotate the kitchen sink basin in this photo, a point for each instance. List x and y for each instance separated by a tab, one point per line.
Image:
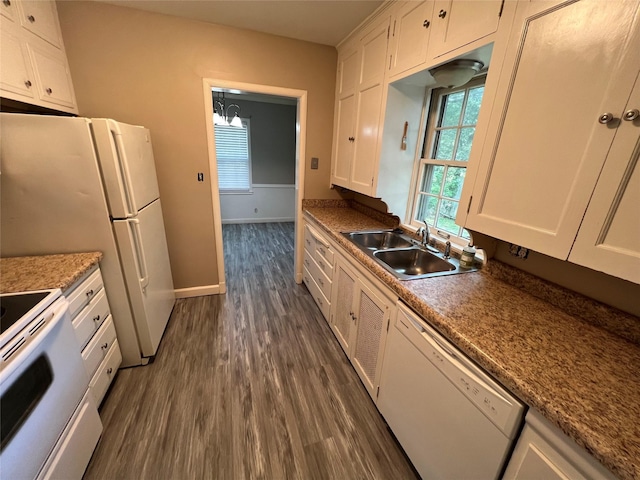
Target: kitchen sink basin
403	257
379	240
412	262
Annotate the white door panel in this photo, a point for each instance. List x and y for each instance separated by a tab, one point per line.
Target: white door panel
145	261
126	158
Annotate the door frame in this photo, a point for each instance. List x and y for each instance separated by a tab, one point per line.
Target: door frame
209	84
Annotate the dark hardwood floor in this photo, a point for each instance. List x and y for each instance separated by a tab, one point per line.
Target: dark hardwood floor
251	384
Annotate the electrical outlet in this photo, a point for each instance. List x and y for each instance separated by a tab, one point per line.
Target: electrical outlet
518	251
314	163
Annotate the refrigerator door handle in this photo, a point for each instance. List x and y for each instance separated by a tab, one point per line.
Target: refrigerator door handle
124	171
143	271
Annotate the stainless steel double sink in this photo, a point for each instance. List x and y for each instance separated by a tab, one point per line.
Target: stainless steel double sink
403	256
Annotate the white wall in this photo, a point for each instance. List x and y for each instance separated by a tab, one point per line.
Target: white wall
275	203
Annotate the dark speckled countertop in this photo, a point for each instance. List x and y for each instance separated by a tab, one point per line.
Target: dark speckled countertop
21	274
579	375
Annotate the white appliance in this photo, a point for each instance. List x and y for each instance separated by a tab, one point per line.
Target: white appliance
452	420
78	184
42	383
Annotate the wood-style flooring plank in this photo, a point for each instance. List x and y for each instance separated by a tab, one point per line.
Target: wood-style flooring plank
247	385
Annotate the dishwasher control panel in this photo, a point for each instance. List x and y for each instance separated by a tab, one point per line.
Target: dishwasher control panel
498	405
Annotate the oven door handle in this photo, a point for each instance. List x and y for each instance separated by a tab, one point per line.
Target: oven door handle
33	340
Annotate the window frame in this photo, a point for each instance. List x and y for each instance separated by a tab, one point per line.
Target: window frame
237	191
434	113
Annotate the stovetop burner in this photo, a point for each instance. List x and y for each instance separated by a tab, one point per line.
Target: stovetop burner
13	307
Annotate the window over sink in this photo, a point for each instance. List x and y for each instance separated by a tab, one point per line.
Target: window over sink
450	129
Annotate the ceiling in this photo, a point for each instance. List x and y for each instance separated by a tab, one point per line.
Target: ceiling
319	21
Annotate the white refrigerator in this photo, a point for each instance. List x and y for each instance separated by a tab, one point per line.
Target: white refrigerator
76	185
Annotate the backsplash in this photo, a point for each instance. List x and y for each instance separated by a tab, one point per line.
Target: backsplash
603	316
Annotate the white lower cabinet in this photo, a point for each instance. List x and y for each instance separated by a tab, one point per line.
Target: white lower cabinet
318	267
360	318
95	331
545	452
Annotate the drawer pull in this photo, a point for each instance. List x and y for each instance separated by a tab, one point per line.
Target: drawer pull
306	262
320	282
105	346
319	301
31	18
49	91
96	318
90	293
109	371
28	83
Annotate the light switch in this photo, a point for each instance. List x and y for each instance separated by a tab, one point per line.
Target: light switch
314	163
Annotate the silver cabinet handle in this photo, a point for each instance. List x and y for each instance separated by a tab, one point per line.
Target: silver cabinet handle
49	91
28	83
109	371
426	24
104	346
442	14
90	293
606	118
631	115
31	18
96	318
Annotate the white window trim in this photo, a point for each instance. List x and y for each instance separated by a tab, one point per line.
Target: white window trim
433	108
224	191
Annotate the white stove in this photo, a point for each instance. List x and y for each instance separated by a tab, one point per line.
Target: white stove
42	379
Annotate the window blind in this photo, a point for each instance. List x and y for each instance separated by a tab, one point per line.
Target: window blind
234	157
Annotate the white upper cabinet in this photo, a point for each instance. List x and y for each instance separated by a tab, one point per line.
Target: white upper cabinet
33	63
40	18
348	64
456	23
359	100
410	35
609	237
566	65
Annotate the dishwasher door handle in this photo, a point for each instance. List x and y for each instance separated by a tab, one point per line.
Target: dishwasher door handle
428	336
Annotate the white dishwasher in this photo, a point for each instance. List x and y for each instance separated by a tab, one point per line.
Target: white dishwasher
453	421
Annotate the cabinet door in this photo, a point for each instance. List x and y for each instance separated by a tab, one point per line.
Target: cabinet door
459	22
609	237
372	312
342	315
348	64
7	9
40	18
369	104
52	76
15	74
410	32
564	67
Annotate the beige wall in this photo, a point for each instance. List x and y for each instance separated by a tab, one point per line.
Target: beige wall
147	69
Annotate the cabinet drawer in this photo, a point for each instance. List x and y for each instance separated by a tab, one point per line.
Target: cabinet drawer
84	292
316	293
106	373
324	265
309	241
324	252
89	320
323	281
98	347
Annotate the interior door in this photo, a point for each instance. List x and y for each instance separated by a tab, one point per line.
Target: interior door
145	262
128	166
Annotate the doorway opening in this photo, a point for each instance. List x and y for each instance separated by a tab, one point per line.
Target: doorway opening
235	197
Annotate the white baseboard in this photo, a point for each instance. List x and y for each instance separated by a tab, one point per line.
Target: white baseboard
258	220
199	291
